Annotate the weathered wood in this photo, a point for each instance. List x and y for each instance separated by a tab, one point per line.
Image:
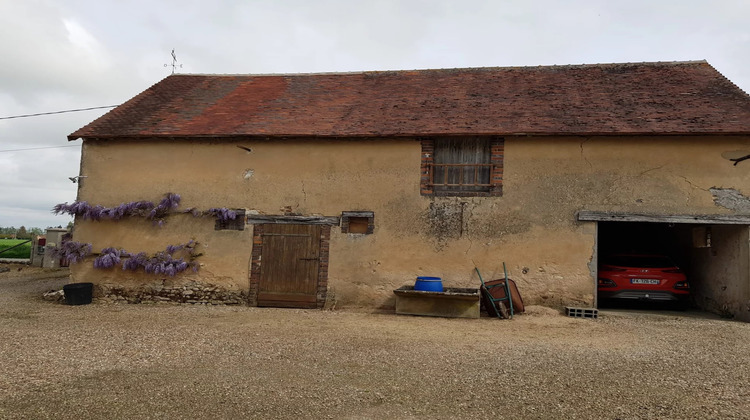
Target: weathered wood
289	272
287	304
715	219
359	213
283	297
285	219
452	303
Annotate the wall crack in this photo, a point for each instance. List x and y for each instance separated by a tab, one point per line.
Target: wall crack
582	155
304	194
468	219
652	169
692	185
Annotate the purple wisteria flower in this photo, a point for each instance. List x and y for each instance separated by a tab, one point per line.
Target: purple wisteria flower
109	257
77	208
194	211
155	212
222	213
164	262
135	208
71	251
160	212
171	249
135	261
189	245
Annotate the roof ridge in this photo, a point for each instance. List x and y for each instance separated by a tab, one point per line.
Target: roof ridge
454	69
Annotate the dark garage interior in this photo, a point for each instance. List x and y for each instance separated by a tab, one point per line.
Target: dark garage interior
713	256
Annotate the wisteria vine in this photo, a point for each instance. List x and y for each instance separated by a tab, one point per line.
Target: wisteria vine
147	209
163	262
71	251
151	211
222	213
110	257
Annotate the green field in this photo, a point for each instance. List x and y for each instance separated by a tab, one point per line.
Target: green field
23	251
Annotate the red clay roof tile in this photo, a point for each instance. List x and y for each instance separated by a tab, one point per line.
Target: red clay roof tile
600	99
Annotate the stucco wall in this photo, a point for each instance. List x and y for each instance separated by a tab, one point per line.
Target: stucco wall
725	272
531	227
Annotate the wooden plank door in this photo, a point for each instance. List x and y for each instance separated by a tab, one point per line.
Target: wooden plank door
290	259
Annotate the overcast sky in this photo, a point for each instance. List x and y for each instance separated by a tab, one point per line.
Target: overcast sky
60	55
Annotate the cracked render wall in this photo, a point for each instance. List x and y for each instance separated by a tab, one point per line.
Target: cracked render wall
725	270
532	227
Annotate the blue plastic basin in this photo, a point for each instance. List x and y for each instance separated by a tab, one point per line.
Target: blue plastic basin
429	284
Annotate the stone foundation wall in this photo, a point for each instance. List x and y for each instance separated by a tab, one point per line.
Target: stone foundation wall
193	292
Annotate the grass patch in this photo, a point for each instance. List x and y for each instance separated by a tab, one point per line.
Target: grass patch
23	251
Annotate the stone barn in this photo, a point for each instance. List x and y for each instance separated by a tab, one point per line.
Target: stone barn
306	190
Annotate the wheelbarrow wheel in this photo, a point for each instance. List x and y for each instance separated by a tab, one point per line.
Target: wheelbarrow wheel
503	310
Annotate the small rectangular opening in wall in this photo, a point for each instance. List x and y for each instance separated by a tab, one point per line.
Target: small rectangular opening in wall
361	222
238	223
358	224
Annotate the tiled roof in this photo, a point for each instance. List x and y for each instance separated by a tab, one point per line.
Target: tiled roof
600	99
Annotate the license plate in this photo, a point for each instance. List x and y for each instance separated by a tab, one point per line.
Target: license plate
645	281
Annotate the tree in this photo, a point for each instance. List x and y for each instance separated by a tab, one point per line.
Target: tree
22	233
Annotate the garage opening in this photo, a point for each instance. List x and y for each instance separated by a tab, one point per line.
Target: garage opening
712	252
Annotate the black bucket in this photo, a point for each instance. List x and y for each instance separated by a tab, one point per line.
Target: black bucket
78	293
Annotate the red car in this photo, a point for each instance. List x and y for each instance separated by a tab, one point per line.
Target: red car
654	278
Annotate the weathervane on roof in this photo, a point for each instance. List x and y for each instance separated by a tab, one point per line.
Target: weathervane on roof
174	62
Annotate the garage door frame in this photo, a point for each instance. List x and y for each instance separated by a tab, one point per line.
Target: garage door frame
603	216
708	219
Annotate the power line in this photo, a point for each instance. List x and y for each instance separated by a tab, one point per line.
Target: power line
38	148
57	112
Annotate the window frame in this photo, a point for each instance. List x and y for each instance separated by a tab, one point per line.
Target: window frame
428	187
346	217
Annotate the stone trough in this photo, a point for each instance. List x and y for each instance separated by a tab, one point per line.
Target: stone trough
450	303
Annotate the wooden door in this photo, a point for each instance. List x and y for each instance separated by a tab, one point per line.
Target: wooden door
290	260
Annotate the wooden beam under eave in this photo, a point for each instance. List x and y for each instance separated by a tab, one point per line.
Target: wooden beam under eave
289	219
713	219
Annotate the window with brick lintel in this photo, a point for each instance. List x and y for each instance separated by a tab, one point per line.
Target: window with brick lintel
462	166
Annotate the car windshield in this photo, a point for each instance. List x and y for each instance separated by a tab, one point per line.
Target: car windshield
645	261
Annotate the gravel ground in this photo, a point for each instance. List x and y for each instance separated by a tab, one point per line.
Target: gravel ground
108	361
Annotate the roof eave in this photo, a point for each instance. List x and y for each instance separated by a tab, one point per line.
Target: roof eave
412	135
